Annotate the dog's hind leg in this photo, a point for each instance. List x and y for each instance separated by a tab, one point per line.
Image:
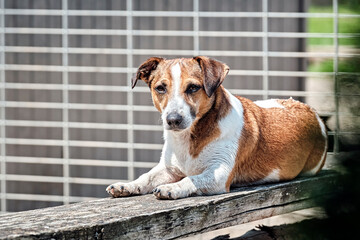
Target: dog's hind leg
317	156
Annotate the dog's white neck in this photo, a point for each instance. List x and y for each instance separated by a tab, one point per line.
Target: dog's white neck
177	137
179	143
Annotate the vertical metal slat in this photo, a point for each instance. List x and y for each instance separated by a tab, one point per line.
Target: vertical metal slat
196	28
265	49
65	111
336	76
2	111
130	112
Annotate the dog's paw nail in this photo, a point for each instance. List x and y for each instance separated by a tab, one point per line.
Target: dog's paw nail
169	194
122	188
109	189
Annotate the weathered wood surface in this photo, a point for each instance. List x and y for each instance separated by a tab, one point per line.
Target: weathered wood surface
144	217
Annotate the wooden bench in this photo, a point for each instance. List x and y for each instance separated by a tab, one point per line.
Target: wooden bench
144	217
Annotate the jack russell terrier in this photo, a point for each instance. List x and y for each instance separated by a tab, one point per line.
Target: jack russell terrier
214	140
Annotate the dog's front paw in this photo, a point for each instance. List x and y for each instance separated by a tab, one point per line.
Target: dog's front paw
170	191
123	189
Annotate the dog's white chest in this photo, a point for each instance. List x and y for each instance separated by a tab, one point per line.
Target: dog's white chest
215	154
177	155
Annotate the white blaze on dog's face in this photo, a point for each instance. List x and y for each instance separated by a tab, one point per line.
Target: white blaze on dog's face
181	89
177	91
177	114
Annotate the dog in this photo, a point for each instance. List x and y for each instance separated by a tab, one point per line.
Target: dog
214	140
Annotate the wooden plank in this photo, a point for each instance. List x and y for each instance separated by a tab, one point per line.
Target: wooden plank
144	217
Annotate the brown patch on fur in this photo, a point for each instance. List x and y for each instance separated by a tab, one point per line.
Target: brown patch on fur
206	129
160	100
191	74
316	155
319	143
162	76
275	138
214	73
145	71
210	104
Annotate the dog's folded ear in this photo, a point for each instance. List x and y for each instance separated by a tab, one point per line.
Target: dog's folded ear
214	73
145	69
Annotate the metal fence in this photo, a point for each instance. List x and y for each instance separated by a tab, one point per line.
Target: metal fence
70	123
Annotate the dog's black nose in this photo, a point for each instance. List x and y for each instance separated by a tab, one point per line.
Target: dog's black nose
174	119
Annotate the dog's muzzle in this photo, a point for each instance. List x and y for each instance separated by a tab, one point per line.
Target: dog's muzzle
174	121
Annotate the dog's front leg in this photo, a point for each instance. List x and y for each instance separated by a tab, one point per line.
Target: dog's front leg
146	183
211	181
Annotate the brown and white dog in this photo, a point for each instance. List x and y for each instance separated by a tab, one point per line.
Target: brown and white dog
214	140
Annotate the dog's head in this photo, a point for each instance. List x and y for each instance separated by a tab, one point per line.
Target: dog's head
182	89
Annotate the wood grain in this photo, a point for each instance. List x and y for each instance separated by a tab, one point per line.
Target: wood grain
144	217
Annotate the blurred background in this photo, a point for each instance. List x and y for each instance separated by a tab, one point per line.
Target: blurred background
70	123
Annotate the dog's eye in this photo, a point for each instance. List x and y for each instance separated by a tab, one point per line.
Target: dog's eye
161	89
192	88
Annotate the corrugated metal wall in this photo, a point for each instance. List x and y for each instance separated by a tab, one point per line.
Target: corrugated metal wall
70	123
